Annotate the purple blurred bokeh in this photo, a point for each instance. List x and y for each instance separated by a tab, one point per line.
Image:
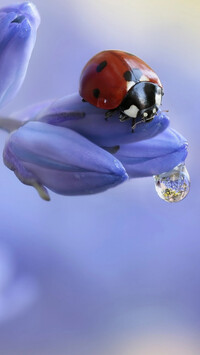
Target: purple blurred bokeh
88	274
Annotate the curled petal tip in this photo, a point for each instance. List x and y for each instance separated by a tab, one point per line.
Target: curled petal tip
42	191
30	10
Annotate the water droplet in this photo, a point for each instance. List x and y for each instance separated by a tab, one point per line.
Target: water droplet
174	185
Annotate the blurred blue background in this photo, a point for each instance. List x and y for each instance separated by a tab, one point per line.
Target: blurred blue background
119	272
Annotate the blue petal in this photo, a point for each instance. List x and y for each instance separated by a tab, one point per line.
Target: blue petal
18	27
153	156
60	159
90	122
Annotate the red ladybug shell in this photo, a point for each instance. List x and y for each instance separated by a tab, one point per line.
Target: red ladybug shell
107	77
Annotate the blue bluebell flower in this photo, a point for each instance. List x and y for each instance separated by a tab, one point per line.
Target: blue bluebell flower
48	151
90	122
153	156
62	160
18	28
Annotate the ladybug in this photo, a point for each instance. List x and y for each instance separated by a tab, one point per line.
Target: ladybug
119	81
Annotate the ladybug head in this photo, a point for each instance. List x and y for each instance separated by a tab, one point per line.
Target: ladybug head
142	101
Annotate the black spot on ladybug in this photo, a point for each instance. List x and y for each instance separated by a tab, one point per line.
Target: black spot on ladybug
101	66
96	93
136	74
128	75
133	75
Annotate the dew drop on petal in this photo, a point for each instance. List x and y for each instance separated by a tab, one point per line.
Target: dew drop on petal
174	185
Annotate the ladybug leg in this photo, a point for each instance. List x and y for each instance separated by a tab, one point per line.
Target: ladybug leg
134	124
83	100
123	117
109	114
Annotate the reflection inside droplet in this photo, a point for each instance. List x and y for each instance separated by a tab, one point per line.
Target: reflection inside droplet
174	185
